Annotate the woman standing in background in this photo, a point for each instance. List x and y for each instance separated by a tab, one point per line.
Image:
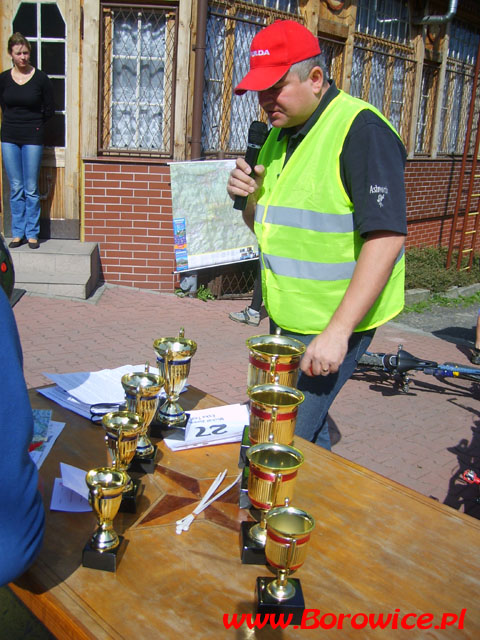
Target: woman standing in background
26	99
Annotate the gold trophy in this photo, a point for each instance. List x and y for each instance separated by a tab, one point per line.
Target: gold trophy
273	413
272	474
142	395
288	534
123	429
273	359
173	357
106	486
271	356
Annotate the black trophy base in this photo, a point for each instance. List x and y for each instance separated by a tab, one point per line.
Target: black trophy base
243	499
251	552
244	445
159	429
144	464
103	561
291	609
129	498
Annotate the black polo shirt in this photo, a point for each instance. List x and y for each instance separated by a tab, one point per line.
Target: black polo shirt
372	164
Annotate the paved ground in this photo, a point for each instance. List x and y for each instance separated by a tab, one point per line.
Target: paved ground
423	439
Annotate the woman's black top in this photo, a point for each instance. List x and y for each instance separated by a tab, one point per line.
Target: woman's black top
25	107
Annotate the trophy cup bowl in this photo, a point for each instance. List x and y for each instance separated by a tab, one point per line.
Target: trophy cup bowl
106	486
174	357
271	356
288	534
271	480
273	413
123	429
142	394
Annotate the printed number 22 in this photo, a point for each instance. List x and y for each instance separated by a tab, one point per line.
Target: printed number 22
215	429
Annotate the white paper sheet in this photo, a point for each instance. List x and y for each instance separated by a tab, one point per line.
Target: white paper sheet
70	492
74	478
64	399
218	425
64	499
94	387
79	391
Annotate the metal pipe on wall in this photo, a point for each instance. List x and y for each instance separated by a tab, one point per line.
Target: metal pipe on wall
452	10
199	48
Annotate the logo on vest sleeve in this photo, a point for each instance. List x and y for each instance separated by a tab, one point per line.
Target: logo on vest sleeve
260	52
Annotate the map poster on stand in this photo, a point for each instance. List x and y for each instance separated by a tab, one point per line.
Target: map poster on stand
212	231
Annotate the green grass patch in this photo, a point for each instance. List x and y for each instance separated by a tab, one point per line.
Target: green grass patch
425	268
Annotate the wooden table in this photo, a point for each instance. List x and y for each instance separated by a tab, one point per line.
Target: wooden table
378	547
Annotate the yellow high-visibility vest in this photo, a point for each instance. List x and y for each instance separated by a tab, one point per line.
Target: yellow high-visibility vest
305	228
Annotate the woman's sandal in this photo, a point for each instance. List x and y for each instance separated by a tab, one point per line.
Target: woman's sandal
16	243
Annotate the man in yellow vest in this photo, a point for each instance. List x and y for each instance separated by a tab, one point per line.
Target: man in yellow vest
327	204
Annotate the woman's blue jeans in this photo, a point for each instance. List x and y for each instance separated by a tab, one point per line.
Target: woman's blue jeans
22	164
320	391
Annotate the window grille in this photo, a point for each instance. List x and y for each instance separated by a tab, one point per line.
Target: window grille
383	74
44	27
426	108
333	51
463	43
290	6
457	90
230	29
383	64
385	19
137	80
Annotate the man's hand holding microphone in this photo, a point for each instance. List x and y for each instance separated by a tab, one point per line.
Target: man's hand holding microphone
247	175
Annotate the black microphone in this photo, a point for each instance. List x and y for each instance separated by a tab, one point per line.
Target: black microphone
257	134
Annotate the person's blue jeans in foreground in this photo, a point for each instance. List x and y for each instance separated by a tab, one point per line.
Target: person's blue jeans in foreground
320	391
22	165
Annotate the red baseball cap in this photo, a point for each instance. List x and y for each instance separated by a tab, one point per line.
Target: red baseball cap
274	50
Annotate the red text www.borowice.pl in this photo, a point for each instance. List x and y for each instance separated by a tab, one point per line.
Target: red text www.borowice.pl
315	619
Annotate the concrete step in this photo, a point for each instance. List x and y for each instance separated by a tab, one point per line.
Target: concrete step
67	268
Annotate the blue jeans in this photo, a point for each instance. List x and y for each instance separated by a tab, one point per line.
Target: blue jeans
22	164
320	391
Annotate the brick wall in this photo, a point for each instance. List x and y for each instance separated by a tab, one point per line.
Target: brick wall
128	211
431	187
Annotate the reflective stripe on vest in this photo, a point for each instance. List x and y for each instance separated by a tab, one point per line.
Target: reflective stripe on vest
326	222
312	270
305	228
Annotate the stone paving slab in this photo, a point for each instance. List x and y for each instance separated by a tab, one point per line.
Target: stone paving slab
423	439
